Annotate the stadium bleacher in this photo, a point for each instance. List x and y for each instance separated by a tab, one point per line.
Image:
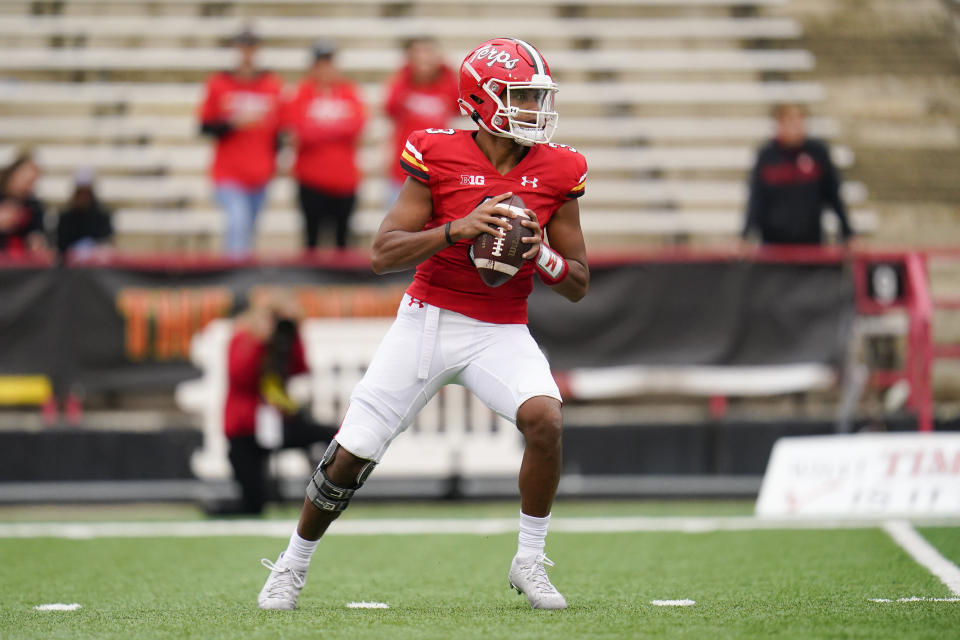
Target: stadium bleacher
134	128
197	157
667	99
272	28
386	60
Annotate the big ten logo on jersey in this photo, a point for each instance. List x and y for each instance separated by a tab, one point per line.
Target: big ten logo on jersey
557	145
495	56
473	181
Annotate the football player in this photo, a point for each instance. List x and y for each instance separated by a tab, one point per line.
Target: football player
451	327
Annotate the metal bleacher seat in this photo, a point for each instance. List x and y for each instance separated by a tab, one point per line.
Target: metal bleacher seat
595	222
339	27
173	189
574	129
196	158
493	3
169	59
594	94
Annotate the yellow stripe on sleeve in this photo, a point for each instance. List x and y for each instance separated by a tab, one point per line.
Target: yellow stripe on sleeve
409	159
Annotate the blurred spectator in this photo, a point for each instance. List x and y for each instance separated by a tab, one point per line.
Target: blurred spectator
326	117
422	95
84	224
792	180
259	415
21	213
241	110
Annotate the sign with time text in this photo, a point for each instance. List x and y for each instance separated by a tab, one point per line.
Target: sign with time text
863	476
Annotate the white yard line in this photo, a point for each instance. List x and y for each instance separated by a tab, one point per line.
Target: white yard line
673	603
58	606
924	553
417	526
913	599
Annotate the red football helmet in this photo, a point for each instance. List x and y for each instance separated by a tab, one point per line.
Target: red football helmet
505	86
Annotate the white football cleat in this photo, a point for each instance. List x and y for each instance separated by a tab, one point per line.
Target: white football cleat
283	586
529	577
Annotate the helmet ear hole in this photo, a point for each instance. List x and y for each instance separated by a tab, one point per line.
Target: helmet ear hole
477	99
475	117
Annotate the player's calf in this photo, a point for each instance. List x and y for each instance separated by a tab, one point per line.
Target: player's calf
329	493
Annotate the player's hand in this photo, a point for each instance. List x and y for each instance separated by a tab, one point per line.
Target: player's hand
483	219
37	244
259	322
745	250
246	119
9	216
534	240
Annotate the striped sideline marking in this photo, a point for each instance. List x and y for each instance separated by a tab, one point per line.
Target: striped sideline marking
914	599
420	526
926	555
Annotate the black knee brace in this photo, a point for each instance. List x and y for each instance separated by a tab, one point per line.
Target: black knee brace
328	496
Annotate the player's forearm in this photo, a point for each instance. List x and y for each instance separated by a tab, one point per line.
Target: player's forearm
575	285
396	250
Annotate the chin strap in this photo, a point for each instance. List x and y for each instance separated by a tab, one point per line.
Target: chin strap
551	265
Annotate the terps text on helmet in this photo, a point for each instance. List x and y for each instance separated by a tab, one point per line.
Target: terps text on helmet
495	56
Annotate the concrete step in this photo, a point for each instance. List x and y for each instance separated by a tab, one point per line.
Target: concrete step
911	175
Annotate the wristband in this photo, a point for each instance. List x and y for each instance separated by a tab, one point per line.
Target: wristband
551	265
446	233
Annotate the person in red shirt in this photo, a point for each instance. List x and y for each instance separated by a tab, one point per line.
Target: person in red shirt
264	352
325	116
451	328
422	95
21	213
241	111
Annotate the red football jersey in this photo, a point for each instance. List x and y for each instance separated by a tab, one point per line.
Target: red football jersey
327	122
460	177
244	369
419	106
246	155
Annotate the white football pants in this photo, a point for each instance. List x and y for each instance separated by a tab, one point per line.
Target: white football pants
427	348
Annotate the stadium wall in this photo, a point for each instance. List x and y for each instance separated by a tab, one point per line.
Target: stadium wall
722	459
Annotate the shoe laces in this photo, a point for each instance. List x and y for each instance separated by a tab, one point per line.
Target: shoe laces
286	576
537	574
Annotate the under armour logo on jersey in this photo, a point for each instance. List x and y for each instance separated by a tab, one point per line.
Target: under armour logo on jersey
532	182
415	301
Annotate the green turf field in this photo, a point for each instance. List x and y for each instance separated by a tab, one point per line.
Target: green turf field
746	584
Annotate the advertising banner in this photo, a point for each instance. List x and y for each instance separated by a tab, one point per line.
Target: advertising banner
863	476
117	327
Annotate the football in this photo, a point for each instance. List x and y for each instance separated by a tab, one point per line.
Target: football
498	257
